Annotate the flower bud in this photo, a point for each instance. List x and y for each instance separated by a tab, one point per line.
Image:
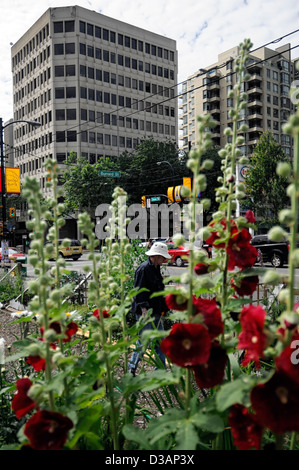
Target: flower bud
283	169
272	277
276	234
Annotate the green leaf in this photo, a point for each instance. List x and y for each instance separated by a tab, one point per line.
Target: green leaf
132	433
210	422
186	436
235	392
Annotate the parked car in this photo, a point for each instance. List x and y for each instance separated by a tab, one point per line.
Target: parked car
74	250
269	251
178	254
15	255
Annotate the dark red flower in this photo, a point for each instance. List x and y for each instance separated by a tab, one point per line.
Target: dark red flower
21	404
241	253
71	329
176	302
249	215
37	362
187	344
246	431
105	313
252	338
211	373
47	430
211	315
201	268
216	234
276	403
247	286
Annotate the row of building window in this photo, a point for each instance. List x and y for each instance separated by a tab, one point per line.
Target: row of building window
31	66
114	38
32	85
93	137
31	45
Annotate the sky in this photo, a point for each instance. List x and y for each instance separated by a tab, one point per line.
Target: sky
202	29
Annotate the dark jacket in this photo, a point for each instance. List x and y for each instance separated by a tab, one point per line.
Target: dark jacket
149	277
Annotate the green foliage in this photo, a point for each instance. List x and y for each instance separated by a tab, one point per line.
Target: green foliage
265	188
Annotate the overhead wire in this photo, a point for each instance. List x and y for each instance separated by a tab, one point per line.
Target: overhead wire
180	94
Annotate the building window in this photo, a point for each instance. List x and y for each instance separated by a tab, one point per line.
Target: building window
69	26
82	26
59	93
71	114
89	29
70	48
71	136
58	27
70	70
59	71
58	49
71	92
60	114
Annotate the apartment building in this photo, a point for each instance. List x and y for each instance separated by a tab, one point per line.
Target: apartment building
269	104
95	84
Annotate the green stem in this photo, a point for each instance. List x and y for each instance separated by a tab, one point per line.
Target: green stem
294	227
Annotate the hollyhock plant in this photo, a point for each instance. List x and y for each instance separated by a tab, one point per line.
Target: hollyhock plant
37	362
241	253
211	373
215	236
201	268
276	403
246	431
249	215
47	430
176	302
105	313
247	285
188	344
21	402
252	337
71	329
211	315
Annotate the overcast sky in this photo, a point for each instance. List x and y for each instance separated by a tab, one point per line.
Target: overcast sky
202	28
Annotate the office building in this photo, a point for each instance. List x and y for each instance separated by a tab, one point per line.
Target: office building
97	86
269	104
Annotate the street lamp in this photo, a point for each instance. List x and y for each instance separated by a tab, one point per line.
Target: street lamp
3	181
171	167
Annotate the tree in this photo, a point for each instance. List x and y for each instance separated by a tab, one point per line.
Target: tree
141	173
84	188
265	189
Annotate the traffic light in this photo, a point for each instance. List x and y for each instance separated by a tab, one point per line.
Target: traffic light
143	201
12	212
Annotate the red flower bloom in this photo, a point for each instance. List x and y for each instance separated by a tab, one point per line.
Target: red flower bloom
211	314
249	215
247	286
246	431
201	268
241	253
211	373
252	338
176	302
47	430
276	403
21	403
37	362
216	235
188	344
105	313
71	329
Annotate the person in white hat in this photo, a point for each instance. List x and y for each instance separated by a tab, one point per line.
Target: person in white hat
148	276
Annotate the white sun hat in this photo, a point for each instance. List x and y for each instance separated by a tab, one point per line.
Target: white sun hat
158	248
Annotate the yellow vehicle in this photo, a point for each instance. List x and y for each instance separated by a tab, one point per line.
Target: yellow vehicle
74	250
